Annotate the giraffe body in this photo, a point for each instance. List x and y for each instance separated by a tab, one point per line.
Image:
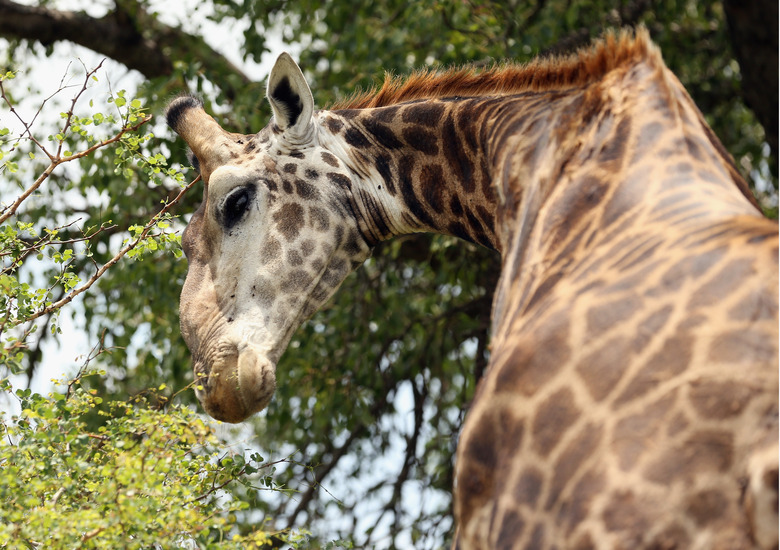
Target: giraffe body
631	396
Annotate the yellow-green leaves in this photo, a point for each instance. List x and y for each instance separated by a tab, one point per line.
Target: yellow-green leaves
48	252
147	477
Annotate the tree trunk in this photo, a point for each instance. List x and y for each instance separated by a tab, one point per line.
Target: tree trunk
128	34
753	28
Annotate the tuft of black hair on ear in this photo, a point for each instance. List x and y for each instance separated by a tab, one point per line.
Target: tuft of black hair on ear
288	100
177	107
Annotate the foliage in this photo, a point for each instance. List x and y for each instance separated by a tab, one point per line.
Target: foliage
33	242
145	477
372	391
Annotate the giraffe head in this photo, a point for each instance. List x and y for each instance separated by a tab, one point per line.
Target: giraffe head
272	240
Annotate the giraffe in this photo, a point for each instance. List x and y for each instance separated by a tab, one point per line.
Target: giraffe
631	396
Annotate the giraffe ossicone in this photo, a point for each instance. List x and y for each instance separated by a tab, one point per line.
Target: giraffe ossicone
631	399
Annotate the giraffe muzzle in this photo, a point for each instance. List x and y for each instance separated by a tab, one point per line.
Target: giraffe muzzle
239	386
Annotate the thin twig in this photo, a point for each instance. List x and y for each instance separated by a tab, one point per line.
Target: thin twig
118	256
45	241
92	534
11	210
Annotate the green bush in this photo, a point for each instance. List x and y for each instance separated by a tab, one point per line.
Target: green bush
148	476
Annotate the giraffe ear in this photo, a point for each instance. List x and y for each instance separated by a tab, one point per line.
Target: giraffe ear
290	96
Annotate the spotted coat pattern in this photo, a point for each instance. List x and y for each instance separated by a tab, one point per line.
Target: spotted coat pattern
631	396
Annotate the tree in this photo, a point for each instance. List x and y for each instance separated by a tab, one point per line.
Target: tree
755	49
410	330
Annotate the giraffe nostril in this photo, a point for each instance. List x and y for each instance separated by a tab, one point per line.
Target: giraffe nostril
236	386
256	380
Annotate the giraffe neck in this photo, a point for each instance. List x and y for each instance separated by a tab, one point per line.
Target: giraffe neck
491	169
420	167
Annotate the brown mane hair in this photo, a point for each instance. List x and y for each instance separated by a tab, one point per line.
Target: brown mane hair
608	53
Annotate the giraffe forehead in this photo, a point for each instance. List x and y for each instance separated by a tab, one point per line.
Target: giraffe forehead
276	157
301	172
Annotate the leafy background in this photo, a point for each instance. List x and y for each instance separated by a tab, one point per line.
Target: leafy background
373	390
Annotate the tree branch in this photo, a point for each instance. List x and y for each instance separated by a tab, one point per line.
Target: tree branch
410	457
118	256
11	210
127	34
335	454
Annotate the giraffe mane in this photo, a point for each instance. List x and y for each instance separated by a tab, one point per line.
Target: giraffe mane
552	73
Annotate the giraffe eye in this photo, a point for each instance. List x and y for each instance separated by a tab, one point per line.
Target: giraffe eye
235	205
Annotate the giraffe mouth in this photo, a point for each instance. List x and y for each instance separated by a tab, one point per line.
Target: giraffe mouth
237	385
